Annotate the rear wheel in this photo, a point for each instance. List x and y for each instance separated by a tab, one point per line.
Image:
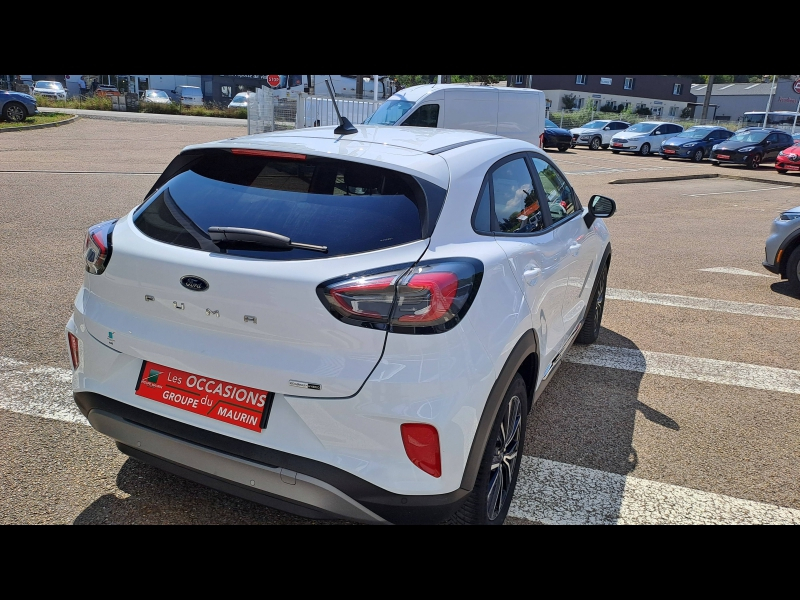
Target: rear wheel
490	499
14	112
591	326
595	143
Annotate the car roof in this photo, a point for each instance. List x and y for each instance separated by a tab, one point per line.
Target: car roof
418	92
413	149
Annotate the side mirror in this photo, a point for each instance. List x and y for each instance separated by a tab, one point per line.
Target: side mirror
599	207
606	128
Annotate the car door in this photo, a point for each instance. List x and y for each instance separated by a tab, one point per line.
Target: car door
771	147
522	229
580	243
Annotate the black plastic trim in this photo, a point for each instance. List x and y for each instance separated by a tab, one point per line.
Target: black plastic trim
395	508
787	246
458	145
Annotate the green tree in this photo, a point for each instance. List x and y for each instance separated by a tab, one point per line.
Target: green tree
569	101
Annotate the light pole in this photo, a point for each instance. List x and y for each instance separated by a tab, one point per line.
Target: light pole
769	101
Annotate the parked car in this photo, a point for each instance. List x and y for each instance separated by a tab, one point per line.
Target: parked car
796	137
156	97
751	147
597	134
644	137
556	137
16	106
788	159
338	333
189	95
50	89
106	91
240	100
694	143
782	248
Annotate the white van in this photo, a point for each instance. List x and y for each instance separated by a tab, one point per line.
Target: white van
189	95
511	112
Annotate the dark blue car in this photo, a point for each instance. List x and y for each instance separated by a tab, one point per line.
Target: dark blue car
16	106
556	137
694	143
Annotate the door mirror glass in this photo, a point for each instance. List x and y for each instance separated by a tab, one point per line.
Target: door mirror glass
602	207
606	128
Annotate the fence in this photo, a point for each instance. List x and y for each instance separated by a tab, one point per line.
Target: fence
269	110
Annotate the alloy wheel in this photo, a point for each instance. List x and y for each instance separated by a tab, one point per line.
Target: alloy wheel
504	459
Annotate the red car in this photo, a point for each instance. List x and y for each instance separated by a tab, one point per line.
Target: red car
789	159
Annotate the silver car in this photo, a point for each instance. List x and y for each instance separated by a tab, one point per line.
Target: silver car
50	89
783	248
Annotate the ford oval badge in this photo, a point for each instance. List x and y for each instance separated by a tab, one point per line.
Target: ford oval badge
196	284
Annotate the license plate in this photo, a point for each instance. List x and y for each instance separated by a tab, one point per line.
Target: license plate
221	400
723	156
669	151
617	145
792	167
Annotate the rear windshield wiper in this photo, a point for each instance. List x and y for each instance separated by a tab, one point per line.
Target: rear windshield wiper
221	235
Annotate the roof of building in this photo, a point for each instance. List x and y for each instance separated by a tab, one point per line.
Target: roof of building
735	89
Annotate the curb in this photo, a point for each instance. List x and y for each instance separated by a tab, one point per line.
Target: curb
42	126
707	176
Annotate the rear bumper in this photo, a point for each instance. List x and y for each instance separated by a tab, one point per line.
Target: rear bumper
287	482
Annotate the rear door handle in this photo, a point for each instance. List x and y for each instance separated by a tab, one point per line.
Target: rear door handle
531	274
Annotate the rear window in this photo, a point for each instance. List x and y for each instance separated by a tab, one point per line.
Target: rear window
347	206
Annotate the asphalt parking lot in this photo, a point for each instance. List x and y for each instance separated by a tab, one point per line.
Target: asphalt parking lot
684	411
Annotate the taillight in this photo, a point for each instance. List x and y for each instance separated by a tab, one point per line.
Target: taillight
421	442
74	350
430	297
97	247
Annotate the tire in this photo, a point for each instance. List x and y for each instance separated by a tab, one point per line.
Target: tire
563	148
782	171
14	112
645	149
595	143
754	161
605	146
793	271
615	151
591	326
698	155
483	506
665	157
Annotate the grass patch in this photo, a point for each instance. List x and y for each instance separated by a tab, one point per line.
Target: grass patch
36	120
100	103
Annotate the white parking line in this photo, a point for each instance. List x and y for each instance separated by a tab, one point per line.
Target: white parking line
617	171
781	187
561	494
727	306
737	271
688	367
39	391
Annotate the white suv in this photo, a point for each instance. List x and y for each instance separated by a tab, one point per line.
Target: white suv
340	325
597	134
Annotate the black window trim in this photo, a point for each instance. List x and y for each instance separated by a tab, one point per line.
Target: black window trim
537	184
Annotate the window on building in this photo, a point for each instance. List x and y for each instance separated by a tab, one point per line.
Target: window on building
518	80
580	103
677	88
580	79
673	111
226	91
628	83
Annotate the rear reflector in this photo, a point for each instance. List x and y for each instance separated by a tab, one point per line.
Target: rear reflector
421	442
268	154
74	350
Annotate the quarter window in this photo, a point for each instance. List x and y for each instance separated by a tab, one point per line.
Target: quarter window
560	198
516	204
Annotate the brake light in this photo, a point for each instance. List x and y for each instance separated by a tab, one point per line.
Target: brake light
426	298
268	153
74	350
421	442
97	247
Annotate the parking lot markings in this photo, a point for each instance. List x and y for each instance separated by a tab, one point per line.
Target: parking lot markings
780	187
557	493
39	391
688	367
726	306
737	271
